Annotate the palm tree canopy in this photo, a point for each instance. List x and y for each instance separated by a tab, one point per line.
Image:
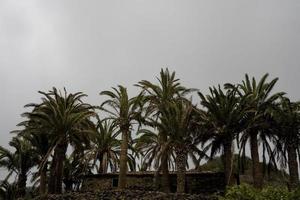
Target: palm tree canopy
286	127
259	98
63	117
223	117
106	146
122	109
167	89
22	158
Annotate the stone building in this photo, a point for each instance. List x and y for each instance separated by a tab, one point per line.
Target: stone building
196	182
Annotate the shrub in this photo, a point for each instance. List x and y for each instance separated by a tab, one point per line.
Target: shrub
241	192
274	193
248	192
295	195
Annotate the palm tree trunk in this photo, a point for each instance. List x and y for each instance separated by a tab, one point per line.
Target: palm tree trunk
293	167
60	167
123	160
181	157
256	167
56	169
239	170
22	178
164	166
51	183
157	178
43	180
100	170
228	162
165	174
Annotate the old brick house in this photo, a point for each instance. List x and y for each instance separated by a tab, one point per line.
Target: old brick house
196	182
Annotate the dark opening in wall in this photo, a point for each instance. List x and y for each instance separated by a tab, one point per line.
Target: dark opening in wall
115	182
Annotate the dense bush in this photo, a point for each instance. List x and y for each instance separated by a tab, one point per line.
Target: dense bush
242	192
295	195
274	193
248	192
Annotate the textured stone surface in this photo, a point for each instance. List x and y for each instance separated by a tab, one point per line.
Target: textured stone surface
125	194
196	183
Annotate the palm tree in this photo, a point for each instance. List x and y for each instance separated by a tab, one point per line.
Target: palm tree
67	121
178	121
105	147
8	161
8	190
20	162
287	116
259	101
41	145
224	119
74	169
124	112
150	147
158	96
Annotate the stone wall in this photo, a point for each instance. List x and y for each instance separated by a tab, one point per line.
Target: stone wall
125	194
196	182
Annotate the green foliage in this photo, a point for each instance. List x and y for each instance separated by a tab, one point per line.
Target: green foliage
274	193
295	195
157	100
248	192
105	147
241	192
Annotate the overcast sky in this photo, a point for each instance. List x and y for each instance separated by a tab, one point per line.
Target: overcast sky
93	45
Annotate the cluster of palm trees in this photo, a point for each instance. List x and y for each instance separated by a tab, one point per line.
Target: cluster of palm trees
63	138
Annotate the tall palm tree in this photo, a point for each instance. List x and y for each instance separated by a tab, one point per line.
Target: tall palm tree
287	116
158	96
177	121
124	112
259	100
224	118
20	162
40	142
41	145
67	121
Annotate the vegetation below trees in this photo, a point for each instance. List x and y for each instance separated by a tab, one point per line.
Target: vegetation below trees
248	192
242	171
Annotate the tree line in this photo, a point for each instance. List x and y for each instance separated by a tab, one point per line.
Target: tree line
160	129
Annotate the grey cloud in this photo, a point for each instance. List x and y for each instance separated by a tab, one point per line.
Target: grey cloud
93	45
